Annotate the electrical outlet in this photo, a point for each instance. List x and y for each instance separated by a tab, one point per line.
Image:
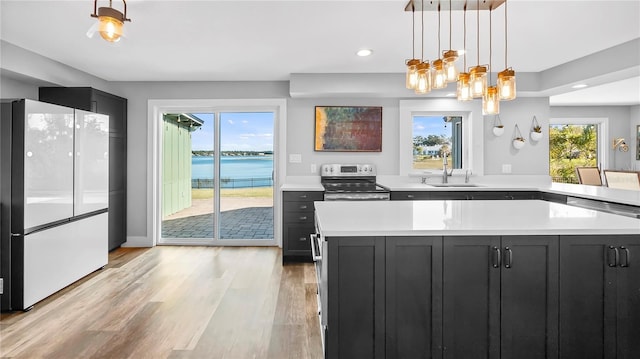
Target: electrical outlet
295	158
314	169
506	168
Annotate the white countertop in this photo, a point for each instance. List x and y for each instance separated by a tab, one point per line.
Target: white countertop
485	183
478	217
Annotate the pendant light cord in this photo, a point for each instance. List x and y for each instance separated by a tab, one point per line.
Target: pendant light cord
422	30
478	32
465	38
413	30
439	54
490	49
505	35
450	25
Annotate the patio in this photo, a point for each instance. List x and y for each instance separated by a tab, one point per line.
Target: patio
237	221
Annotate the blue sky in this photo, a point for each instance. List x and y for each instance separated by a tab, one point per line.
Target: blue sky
241	131
430	125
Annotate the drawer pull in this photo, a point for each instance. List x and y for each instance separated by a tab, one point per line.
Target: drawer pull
616	256
304	206
303	218
303	196
624	262
497	258
409	196
302	239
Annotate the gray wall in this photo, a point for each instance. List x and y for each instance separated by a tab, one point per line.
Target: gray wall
21	79
619	126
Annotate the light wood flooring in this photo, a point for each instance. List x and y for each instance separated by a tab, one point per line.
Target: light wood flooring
175	302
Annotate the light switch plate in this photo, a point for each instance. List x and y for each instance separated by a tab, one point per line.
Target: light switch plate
506	168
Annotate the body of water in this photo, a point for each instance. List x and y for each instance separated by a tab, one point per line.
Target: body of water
235	171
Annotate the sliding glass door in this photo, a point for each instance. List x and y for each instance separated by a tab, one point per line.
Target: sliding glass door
218	178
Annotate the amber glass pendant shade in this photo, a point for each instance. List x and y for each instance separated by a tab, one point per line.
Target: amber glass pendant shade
478	78
507	85
424	79
490	101
438	75
412	73
463	92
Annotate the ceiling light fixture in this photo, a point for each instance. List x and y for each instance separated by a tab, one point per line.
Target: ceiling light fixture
412	64
490	99
423	85
364	52
450	56
438	75
478	73
472	83
507	77
110	22
464	84
579	86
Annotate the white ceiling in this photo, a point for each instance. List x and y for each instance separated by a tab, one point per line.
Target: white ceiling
268	40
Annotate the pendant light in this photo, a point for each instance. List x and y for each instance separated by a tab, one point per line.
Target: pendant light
438	75
423	85
412	64
450	56
478	73
507	77
464	86
110	22
490	100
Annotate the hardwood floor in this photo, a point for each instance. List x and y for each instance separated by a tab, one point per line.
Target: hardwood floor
175	302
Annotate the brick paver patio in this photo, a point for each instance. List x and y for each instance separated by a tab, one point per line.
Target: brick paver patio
244	223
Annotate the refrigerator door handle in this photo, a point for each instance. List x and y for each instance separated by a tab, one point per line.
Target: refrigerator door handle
15	234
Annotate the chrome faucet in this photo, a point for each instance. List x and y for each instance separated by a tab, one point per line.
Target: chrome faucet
445	173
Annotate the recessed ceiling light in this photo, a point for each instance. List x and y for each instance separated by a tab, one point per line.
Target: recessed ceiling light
579	86
364	52
451	94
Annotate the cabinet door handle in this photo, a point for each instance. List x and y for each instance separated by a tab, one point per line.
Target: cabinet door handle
316	252
303	206
616	256
303	196
303	218
497	259
409	196
508	257
624	262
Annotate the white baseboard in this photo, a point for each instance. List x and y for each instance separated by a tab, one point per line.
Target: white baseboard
138	242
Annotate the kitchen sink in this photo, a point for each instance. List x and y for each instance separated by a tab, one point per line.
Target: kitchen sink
454	185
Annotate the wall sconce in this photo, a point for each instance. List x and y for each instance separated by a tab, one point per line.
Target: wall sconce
620	145
110	22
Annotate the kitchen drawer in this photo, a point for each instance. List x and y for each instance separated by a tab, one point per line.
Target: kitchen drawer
296	196
298	239
298	217
298	206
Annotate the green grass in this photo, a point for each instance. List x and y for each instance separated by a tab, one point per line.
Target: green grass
207	193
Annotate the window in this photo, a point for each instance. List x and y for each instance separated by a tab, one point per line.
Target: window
435	137
575	143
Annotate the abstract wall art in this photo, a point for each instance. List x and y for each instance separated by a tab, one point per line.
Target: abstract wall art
348	129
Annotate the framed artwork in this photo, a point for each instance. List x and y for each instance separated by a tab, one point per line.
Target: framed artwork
638	143
348	129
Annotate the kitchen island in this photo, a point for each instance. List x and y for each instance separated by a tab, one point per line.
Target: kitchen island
467	279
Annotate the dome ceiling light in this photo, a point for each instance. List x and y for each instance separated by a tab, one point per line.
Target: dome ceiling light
110	22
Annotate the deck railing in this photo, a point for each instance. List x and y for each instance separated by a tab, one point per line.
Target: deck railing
232	182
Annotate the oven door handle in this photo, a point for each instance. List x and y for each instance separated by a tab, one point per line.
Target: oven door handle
316	252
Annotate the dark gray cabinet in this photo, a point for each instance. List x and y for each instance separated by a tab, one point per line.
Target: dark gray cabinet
356	290
463	195
298	224
499	297
413	297
90	99
599	296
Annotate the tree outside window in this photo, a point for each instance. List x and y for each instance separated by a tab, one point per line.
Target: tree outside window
571	146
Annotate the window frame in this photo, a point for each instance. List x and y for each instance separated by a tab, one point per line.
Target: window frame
602	128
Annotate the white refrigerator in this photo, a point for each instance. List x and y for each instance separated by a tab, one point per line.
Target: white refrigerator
54	181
